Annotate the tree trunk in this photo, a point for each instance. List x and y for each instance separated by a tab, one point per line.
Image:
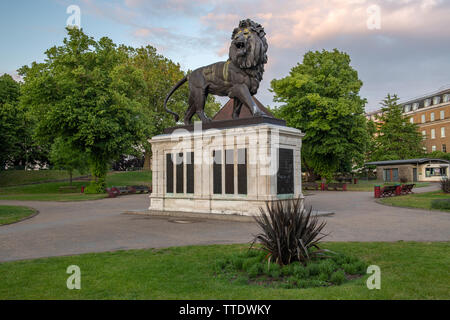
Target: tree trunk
147	161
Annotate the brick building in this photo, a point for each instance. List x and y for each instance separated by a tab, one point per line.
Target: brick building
431	112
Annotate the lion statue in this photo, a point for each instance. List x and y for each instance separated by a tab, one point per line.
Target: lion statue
237	78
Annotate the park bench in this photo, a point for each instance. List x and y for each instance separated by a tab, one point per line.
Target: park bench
388	191
139	189
407	188
112	192
344	179
68	189
311	185
120	190
336	186
123	190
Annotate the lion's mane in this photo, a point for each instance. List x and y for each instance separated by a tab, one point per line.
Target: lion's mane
256	49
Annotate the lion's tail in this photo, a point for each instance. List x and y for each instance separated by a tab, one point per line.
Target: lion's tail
179	84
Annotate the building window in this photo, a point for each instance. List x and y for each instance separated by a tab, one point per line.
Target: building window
423	118
442	113
390	175
444	148
433	148
408	108
436	100
427	102
424	135
190	172
432	116
229	171
217	172
433	133
242	171
169	173
446	97
285	175
415	106
435	172
180	173
443	132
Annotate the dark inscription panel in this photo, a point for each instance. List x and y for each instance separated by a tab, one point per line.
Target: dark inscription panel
217	172
169	173
179	175
229	171
242	171
190	172
285	175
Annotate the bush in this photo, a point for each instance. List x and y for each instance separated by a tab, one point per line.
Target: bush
445	185
338	277
94	189
313	269
442	204
289	232
253	268
327	267
403	180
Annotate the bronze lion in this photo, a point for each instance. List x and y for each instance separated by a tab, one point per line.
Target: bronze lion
237	78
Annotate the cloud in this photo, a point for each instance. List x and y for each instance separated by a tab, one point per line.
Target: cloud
407	54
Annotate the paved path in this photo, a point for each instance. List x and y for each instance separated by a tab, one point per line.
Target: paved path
65	228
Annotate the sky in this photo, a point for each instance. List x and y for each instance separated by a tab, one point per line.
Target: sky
397	46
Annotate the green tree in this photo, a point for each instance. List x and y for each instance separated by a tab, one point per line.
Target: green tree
18	149
9	119
160	75
438	155
321	97
397	138
62	156
88	94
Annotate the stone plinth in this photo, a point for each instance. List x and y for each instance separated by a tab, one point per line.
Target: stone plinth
235	170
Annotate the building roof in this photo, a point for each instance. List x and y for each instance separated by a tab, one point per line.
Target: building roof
226	112
406	161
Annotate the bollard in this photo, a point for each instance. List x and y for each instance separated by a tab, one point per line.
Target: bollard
377	191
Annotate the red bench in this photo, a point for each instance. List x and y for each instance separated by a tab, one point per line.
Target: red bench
407	188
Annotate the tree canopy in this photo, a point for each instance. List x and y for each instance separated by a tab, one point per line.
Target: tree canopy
397	138
89	94
18	149
320	96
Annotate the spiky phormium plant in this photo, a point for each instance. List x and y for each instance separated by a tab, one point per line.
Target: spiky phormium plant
289	232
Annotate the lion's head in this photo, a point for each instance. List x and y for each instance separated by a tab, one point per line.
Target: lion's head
248	48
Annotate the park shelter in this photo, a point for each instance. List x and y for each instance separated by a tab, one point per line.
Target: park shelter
423	169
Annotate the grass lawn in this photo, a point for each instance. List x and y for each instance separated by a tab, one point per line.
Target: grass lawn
20	177
50	191
10	214
417	200
364	185
409	270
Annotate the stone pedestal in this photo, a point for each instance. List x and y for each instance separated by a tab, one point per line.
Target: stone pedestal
231	169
